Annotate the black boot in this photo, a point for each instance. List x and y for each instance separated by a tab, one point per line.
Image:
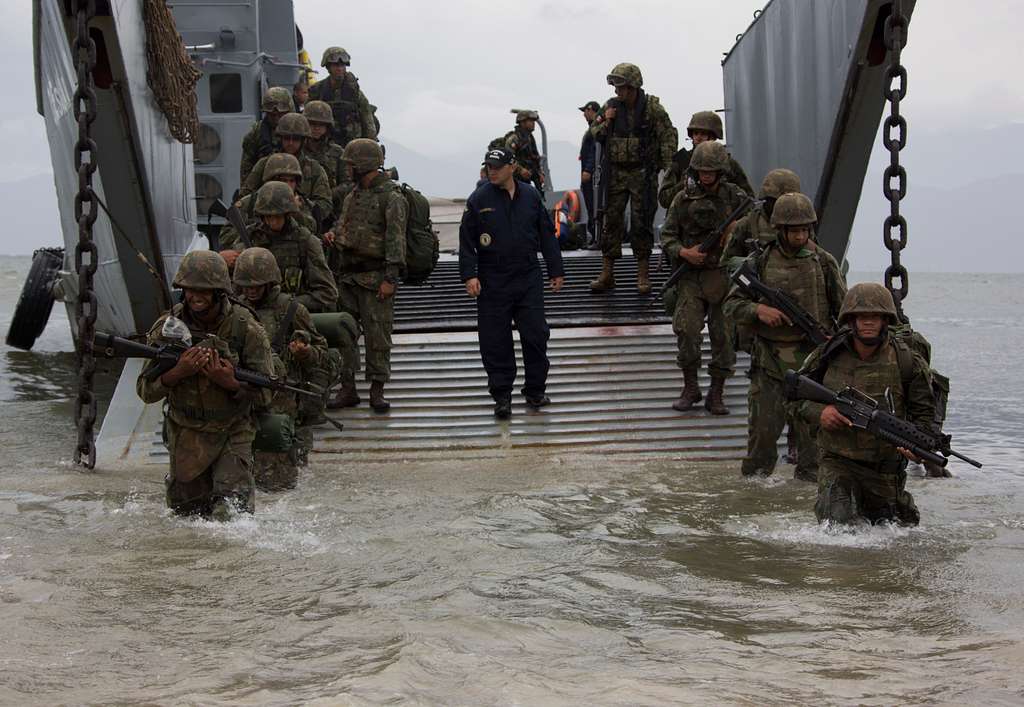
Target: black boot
377	401
503	407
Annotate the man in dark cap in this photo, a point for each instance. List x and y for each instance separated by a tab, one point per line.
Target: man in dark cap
588	163
504	225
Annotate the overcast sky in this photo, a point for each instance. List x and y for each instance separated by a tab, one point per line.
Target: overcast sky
444	74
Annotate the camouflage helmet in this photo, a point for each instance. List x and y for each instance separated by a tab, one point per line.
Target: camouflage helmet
256	266
526	115
318	112
275	198
292	125
281	164
203	270
706	121
335	55
793	209
364	155
626	74
277	99
708	157
779	182
868	298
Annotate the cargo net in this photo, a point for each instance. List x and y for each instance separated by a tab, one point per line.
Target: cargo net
171	75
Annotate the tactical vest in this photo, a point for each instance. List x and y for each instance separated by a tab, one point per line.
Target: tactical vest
290	252
630	135
803	279
329	157
343	101
872	378
702	214
365	222
197	402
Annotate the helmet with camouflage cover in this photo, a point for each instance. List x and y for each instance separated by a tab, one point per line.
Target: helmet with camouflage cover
203	270
277	99
793	209
335	55
779	182
526	115
626	75
256	266
709	157
281	164
293	125
706	121
364	155
275	198
318	112
868	298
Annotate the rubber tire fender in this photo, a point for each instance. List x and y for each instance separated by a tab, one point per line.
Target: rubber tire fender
36	300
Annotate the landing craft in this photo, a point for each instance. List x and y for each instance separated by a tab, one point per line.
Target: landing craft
812	106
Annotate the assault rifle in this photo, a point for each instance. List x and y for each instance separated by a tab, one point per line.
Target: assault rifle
866	414
234	217
602	175
167	356
706	246
746	279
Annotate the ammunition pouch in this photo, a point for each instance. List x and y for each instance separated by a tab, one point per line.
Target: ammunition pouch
275	432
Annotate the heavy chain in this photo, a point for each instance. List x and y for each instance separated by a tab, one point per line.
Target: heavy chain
84	53
894	137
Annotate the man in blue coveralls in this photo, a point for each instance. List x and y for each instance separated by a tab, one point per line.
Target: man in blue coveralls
504	225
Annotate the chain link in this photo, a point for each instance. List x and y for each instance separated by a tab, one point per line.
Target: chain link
84	53
894	138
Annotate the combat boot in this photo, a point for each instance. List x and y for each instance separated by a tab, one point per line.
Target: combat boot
344	397
643	276
691	392
714	403
606	280
377	401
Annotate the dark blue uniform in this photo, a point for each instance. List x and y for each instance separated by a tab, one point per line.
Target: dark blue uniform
588	163
498	243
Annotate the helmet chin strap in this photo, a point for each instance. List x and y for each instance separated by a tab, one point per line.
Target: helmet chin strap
871	340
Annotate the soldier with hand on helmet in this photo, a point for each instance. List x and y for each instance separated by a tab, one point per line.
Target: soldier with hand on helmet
353	114
300	354
637	133
705	126
369	240
861	477
794	264
262	140
298	252
315	186
693	216
209	421
521	143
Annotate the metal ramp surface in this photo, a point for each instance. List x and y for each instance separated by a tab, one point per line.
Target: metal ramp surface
443	305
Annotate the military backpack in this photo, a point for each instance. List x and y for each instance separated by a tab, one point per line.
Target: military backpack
422	248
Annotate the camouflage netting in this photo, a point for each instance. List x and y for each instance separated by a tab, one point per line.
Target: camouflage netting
171	75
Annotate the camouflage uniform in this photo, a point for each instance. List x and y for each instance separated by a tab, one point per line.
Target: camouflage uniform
810	277
256	266
755	230
277	165
862	477
640	143
298	252
370	243
210	431
261	140
521	143
678	175
692	217
353	115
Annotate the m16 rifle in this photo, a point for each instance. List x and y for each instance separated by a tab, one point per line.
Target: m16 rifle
866	414
706	246
167	356
747	281
602	177
234	217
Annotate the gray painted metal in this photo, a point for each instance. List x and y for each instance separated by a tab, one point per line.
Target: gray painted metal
803	90
143	175
442	305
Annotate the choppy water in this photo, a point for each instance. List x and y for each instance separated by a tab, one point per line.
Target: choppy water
551	580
